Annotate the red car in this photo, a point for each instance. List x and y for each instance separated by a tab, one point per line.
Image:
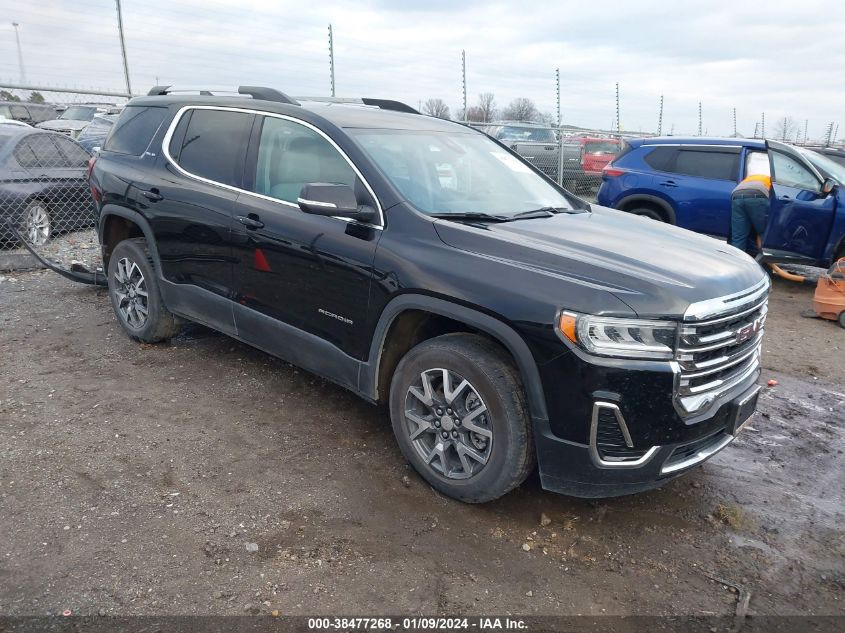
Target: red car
584	157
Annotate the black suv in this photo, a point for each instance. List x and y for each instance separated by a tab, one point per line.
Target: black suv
420	263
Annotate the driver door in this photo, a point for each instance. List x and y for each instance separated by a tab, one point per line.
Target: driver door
800	216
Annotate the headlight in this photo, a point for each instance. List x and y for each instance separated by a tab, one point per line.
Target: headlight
622	338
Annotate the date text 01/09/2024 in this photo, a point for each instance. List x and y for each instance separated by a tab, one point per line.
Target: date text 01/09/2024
417	623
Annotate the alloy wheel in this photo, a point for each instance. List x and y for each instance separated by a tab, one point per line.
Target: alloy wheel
37	225
448	424
130	289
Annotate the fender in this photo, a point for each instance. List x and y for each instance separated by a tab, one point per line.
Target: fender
500	331
644	197
140	221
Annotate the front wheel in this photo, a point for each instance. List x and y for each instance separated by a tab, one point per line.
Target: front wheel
459	415
646	212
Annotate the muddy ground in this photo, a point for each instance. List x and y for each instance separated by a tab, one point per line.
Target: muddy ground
205	477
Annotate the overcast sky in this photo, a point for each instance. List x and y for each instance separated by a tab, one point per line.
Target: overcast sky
781	57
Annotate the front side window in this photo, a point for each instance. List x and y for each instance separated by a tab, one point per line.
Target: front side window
20	113
790	173
444	172
214	145
38	151
291	155
134	129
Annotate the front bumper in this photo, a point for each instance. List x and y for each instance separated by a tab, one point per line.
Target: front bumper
577	469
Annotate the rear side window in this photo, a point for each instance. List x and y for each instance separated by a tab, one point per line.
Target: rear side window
134	130
601	147
214	145
662	158
75	155
701	163
716	165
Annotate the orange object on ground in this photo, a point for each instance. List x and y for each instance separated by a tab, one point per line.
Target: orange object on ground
829	300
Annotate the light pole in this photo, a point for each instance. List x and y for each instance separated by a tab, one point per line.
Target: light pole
20	53
123	49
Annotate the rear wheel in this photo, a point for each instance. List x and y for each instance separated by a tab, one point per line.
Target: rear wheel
135	295
35	223
648	212
842	319
460	418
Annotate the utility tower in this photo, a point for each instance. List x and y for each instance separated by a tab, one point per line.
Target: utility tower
123	48
660	118
20	53
464	82
331	57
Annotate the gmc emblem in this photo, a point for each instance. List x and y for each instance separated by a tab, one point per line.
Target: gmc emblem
749	330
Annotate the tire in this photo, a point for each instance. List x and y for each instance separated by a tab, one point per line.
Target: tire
842	319
131	274
648	212
499	434
35	223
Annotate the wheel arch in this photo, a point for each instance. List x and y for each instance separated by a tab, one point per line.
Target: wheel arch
416	308
119	223
629	202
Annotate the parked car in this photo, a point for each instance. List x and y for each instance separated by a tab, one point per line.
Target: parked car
688	182
76	118
534	142
43	187
94	135
26	112
833	153
422	264
584	158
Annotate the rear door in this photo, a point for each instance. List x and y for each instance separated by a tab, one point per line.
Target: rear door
190	205
700	179
800	217
79	209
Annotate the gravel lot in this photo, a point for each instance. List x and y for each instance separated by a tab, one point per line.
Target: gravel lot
205	477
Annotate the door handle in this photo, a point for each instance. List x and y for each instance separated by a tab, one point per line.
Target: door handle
153	195
250	223
784	198
668	183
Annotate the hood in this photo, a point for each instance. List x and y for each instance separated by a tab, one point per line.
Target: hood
63	124
655	268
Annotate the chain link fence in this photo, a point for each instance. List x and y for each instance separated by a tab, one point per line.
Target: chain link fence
572	157
45	204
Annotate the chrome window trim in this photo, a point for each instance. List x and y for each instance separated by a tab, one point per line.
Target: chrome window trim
620	420
165	148
317	203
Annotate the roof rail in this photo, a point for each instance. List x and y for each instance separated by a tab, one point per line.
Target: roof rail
256	92
384	104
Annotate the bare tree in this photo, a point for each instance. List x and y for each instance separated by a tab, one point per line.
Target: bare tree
36	97
547	118
437	108
487	105
786	129
473	113
521	109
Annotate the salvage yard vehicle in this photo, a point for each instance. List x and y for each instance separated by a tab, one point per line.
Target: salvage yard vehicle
25	112
535	142
584	158
76	118
423	264
688	182
43	188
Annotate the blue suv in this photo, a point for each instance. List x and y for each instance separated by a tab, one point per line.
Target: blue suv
688	182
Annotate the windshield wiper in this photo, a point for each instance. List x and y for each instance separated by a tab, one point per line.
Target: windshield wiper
544	212
471	215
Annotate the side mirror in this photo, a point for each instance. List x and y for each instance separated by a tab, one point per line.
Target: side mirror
828	186
319	198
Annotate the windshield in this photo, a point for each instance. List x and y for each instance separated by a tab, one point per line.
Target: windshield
439	172
601	147
829	168
79	113
535	134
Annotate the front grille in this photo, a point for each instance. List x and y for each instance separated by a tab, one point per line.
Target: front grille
720	351
610	440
